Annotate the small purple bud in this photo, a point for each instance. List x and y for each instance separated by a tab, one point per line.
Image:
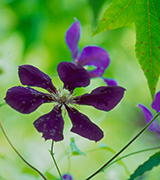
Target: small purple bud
67	177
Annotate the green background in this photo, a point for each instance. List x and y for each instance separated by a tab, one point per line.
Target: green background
33	32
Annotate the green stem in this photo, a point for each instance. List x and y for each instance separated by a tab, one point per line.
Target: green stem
124	148
19	153
133	153
52	154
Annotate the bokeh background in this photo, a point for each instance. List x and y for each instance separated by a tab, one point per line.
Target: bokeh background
33	32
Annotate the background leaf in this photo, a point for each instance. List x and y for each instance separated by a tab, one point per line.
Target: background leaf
147	166
146	16
74	148
31	20
96	7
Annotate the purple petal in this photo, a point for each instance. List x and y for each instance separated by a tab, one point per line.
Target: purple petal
95	56
156	103
148	116
67	177
32	76
25	99
83	126
96	73
73	75
103	98
110	82
72	38
51	125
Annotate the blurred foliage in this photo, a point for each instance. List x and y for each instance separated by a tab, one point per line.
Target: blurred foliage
33	32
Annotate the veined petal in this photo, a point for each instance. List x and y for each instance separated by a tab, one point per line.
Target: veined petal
32	76
83	126
148	116
51	125
103	98
73	75
72	38
25	99
95	56
110	82
156	103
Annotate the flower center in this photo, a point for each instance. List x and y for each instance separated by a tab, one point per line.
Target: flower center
64	96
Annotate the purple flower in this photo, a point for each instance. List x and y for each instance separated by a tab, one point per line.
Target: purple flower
93	56
148	115
27	100
67	177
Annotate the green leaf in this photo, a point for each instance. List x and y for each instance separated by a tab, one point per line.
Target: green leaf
148	41
50	176
118	14
74	148
146	166
146	16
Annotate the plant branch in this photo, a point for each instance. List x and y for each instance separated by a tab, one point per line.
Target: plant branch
124	148
133	153
20	154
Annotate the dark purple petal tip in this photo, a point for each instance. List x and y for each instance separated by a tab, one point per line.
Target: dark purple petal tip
73	75
51	125
25	99
83	126
103	98
32	76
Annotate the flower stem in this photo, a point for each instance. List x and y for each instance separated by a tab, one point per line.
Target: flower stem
133	153
52	154
19	153
124	148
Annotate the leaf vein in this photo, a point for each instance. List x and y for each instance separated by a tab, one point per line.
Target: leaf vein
121	10
155	28
156	12
154	17
149	32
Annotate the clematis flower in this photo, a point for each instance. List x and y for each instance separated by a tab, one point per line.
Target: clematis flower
148	115
26	100
92	56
